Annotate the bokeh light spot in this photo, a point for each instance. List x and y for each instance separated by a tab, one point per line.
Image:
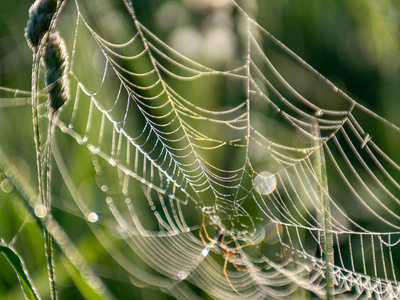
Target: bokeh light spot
265	183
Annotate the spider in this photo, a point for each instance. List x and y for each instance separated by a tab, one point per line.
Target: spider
230	254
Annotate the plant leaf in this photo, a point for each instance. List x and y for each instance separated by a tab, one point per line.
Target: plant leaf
22	274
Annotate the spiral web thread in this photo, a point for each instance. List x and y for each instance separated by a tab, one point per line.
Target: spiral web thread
136	122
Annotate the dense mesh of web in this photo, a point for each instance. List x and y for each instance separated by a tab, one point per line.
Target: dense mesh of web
133	117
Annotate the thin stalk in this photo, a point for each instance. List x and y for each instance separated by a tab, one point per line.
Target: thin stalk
43	196
36	15
48	236
324	217
35	119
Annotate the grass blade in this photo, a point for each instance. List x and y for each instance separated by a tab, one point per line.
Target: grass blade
22	274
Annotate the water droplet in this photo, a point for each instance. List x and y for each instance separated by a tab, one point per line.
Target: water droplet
112	162
319	113
6	186
205	251
265	183
183	274
83	141
92	148
104	188
305	151
40	210
93	217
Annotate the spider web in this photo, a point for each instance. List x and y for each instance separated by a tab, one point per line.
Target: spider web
269	190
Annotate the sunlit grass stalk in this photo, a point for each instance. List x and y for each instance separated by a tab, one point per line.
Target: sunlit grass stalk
42	18
324	217
53	61
48	236
40	170
41	183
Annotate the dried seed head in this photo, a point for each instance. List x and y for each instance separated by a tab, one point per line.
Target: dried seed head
40	15
55	60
